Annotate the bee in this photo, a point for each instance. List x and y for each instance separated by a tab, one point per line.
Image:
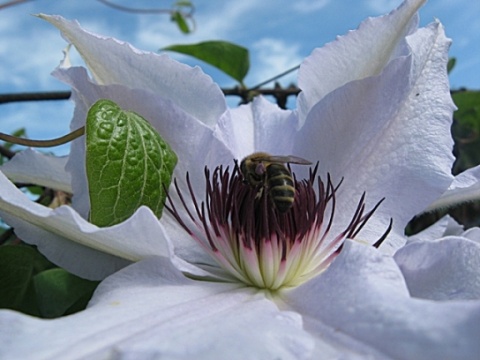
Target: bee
269	171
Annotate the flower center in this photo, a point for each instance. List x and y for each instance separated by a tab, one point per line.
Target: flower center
240	226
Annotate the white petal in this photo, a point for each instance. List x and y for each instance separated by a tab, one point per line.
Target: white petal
33	167
469	177
359	54
446	269
259	126
443	227
464	188
115	62
362	296
76	245
236	129
472	234
150	310
274	128
192	141
184	246
389	136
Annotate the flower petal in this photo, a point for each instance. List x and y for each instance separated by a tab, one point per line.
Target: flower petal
357	55
445	269
464	188
115	62
236	128
388	136
443	227
150	310
33	167
363	296
258	126
71	242
472	234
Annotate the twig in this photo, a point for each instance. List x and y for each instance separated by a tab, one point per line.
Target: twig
34	96
43	143
142	11
12	3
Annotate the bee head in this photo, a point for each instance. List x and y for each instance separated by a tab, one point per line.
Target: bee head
253	171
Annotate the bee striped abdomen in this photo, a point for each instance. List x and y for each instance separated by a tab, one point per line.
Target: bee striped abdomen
280	187
262	170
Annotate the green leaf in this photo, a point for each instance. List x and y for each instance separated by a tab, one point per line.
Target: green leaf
451	64
468	104
36	190
16	271
466	129
128	164
178	17
232	59
183	4
18	265
61	293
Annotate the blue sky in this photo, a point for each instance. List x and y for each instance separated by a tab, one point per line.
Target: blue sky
278	33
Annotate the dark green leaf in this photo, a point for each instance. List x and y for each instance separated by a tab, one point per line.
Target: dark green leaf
61	293
451	64
232	59
128	164
466	130
468	104
16	271
18	264
20	132
35	190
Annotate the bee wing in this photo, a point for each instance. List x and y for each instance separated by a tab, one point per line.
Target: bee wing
286	159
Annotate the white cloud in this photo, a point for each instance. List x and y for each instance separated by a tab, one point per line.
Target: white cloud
29	60
308	6
382	6
219	20
28	57
271	57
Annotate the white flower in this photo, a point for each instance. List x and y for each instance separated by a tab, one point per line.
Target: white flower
374	111
431	259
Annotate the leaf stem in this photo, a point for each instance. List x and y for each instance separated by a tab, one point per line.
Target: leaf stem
43	143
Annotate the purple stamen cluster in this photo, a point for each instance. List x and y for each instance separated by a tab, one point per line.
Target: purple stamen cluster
241	228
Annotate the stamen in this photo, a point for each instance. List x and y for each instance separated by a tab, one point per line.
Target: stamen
329	197
366	217
174	211
384	236
242	229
